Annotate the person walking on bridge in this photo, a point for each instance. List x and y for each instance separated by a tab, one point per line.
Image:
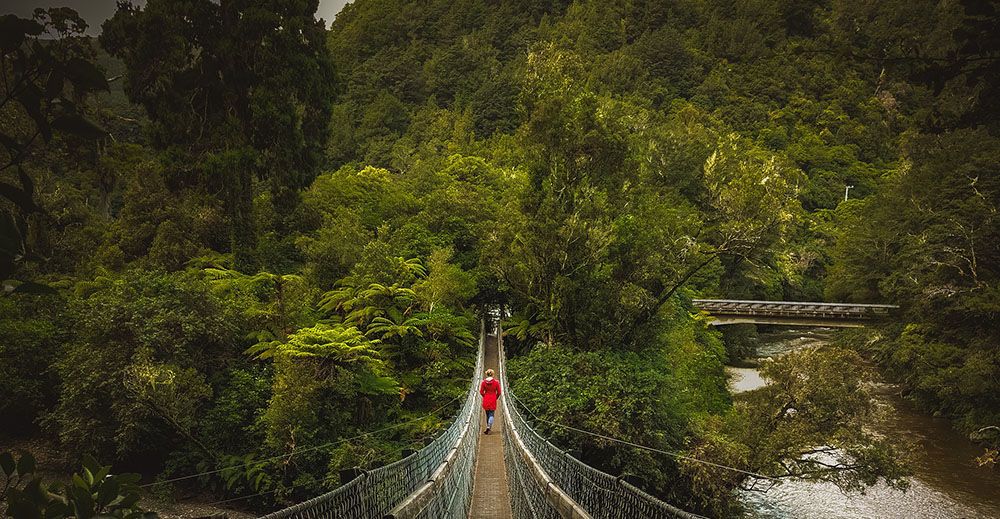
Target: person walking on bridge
489	389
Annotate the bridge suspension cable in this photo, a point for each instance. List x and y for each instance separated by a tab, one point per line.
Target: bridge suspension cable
640	446
546	482
335	476
302	450
435	481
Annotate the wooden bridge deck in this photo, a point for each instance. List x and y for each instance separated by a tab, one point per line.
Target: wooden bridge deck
491	495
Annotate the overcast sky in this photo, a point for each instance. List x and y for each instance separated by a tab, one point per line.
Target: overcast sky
96	11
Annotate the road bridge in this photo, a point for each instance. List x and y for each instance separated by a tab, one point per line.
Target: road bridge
793	313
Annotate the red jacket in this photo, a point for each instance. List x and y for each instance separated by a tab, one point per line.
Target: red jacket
490	391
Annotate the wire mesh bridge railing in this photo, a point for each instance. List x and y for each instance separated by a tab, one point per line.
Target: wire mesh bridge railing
434	482
547	482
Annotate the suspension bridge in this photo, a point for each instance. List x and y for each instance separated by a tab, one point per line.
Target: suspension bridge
794	313
514	472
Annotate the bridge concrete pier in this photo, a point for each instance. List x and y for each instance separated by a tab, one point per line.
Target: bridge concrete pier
491	494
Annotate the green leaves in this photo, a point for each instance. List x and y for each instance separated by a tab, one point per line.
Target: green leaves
751	196
7	463
244	471
817	419
26	464
628	395
361	306
93	492
388	329
263	84
272	304
14	31
84	75
335	344
38	73
923	242
30	287
79	126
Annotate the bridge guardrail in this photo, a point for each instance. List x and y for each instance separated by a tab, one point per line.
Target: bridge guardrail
533	492
448	490
793	308
426	483
546	482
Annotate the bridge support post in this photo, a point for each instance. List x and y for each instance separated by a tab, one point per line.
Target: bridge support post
347	475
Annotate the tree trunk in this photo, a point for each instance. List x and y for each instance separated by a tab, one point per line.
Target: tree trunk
239	205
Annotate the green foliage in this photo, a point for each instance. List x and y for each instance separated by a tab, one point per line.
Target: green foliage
591	165
30	336
329	345
271	305
608	217
93	492
633	396
241	91
336	247
48	72
244	471
740	341
430	349
328	379
234	420
446	284
814	421
153	224
927	242
159	334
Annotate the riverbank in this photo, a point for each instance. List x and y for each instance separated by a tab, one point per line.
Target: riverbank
946	483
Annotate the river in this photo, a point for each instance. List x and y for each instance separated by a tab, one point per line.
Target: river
946	482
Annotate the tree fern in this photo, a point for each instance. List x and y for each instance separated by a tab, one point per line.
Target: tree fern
339	344
340	299
388	329
413	266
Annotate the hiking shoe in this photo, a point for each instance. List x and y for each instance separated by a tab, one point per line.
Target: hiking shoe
487	431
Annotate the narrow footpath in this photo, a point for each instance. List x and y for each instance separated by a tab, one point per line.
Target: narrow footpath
491	496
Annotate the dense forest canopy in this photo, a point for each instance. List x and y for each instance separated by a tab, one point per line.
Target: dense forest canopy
261	235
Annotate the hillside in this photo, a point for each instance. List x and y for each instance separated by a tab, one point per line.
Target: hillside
287	235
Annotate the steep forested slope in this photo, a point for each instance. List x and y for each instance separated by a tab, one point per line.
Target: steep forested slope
277	249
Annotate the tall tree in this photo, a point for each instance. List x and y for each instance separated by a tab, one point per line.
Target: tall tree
48	71
626	206
236	90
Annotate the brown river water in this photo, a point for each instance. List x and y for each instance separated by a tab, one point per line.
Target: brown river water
946	482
